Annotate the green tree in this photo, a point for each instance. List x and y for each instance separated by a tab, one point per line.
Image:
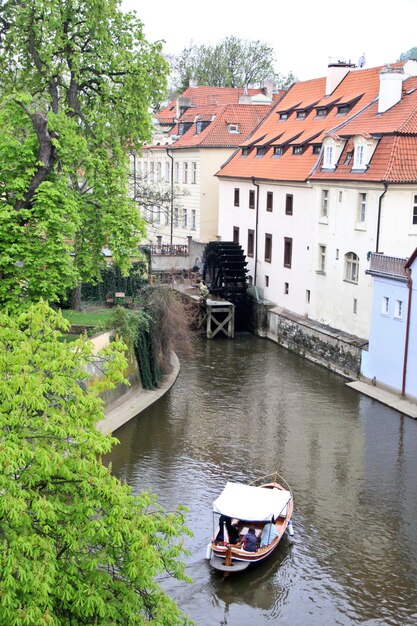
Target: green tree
410	54
76	547
232	62
77	80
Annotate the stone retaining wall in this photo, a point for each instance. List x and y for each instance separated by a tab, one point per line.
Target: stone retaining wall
329	347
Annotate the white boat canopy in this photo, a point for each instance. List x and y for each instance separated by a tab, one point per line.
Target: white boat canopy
256	504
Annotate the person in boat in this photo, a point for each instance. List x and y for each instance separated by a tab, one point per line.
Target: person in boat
250	541
232	530
269	532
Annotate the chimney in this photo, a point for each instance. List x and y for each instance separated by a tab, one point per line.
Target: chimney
390	87
193	82
336	71
268	87
245	98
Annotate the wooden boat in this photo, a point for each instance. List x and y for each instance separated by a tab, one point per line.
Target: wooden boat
266	508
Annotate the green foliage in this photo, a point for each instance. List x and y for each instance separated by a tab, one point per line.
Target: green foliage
77	81
232	62
410	54
76	547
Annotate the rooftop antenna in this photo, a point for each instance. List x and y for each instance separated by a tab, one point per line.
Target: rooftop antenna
362	61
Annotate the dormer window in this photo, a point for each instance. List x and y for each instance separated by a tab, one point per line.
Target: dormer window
200	126
245	151
233	128
316	149
260	151
283	116
322	112
183	127
328	160
301	114
359	161
297	150
342	109
348	157
278	150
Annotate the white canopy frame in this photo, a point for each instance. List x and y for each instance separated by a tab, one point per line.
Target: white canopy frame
248	503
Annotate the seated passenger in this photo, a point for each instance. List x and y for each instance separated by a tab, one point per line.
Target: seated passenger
269	533
250	541
231	530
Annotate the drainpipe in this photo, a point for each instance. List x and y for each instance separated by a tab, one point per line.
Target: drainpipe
172	196
407	329
379	216
256	230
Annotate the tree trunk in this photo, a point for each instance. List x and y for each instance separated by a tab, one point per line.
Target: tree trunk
76	298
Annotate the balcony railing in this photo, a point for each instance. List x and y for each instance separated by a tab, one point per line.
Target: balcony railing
387	265
167	249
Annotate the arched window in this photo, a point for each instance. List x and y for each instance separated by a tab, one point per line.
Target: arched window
351	267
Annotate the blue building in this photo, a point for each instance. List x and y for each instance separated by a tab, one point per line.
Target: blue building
391	358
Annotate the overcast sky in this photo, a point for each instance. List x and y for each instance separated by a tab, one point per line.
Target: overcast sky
304	34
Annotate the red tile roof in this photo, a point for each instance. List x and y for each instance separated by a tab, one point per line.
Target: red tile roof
395	158
217	133
204	96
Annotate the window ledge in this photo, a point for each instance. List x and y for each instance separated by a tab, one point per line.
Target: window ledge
360	226
351	282
323	220
322	272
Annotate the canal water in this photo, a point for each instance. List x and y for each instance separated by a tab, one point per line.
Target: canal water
244	408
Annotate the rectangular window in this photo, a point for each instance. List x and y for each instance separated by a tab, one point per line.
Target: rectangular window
152	170
398	309
268	247
286	288
260	151
185	173
251	239
288	204
185	218
287	251
359	157
278	150
361	208
167	170
415	210
176	217
193	219
158	170
297	150
308	296
235	234
355	305
385	305
269	200
266	281
177	172
236	196
194	173
322	258
324	203
251	199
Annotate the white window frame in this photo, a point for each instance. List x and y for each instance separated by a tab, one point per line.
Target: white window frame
324	211
328	160
185	218
351	267
193	219
185	173
359	157
385	305
361	214
194	173
167	170
177	172
322	258
399	308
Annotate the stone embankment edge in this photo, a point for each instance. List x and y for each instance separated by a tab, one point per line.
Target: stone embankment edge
135	401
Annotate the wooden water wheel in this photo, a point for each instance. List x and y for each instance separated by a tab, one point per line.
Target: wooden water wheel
225	270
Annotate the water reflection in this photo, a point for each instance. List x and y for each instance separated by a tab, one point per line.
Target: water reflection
244	408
